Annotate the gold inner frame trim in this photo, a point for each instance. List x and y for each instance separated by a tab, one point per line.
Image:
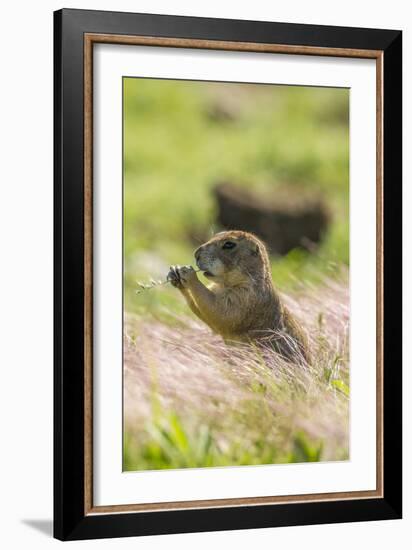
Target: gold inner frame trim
89	40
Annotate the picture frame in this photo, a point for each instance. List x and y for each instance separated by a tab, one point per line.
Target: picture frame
76	32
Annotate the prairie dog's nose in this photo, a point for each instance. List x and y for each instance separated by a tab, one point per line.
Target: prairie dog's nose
197	252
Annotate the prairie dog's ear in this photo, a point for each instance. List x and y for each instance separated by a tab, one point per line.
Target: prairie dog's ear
255	249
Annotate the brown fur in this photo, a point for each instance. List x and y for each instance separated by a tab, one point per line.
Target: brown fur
242	302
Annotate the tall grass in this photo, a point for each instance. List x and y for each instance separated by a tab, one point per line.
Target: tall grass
190	400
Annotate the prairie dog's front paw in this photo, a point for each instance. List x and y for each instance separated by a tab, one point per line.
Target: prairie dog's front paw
187	274
174	277
181	277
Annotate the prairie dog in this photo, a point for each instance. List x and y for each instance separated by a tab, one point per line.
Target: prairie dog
241	303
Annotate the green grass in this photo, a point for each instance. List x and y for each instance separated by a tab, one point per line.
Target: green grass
168	445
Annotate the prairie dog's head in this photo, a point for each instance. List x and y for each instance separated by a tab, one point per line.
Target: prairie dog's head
233	257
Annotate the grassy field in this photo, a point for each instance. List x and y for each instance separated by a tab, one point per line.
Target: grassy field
188	403
192	401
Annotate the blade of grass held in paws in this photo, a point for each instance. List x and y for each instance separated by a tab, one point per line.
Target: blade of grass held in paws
152	284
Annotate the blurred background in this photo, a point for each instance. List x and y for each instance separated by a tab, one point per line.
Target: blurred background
201	156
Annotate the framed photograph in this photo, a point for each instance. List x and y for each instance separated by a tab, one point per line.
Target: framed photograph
227	274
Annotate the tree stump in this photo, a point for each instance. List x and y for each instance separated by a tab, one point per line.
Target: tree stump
282	219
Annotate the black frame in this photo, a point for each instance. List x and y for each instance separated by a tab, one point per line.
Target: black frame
70	521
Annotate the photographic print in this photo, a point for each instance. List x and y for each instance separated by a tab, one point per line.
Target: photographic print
236	262
227	274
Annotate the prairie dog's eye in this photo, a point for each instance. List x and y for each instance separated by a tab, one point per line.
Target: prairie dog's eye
228	245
